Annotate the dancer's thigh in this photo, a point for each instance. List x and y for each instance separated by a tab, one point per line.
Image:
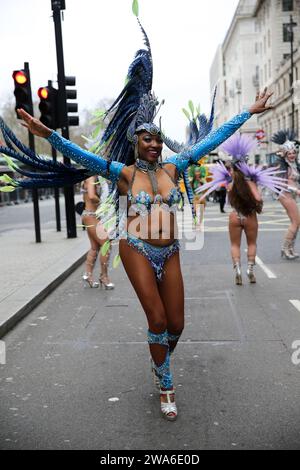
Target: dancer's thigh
235	229
143	280
91	224
251	229
291	207
171	290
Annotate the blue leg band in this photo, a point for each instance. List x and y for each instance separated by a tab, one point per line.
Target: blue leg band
163	371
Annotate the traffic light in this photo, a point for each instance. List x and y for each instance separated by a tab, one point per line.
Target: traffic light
71	107
22	91
48	106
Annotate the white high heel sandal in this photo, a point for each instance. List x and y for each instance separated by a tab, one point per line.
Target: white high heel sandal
169	409
87	277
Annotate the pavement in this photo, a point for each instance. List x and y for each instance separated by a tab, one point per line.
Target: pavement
30	270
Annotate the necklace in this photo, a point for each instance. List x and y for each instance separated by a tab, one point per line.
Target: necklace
144	166
150	169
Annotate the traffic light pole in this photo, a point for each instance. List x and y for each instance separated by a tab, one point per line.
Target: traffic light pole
35	194
56	197
57	5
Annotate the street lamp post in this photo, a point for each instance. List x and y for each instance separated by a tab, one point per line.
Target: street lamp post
291	27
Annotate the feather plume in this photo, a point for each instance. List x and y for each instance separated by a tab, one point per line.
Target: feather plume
281	137
125	108
239	146
47	174
265	177
220	177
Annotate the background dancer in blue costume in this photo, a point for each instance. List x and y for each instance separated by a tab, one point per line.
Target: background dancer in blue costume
150	253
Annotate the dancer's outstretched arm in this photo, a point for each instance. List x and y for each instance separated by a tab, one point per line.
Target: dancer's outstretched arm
183	160
94	163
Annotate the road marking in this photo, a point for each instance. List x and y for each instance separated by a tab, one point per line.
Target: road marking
268	271
296	304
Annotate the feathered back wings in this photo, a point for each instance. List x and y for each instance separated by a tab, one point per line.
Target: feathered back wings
239	146
48	173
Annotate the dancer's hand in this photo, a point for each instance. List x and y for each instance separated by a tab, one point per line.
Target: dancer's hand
35	126
260	105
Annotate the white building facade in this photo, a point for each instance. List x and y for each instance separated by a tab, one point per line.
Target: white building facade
274	66
256	54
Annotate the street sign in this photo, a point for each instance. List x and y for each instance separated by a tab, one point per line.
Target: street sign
260	134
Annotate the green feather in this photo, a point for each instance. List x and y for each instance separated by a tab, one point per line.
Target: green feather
116	261
86	138
192	107
105	248
110	223
186	113
99	113
7	189
135	7
96	131
10	163
7	179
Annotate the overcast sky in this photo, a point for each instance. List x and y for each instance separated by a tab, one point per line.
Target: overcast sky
100	39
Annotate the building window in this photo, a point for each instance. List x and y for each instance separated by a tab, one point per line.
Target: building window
287	35
287	5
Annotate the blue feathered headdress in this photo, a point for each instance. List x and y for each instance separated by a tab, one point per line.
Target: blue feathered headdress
134	108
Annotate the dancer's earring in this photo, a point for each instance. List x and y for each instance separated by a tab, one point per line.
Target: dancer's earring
136	151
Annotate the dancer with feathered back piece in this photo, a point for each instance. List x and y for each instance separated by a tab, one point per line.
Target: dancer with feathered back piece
242	183
290	168
150	250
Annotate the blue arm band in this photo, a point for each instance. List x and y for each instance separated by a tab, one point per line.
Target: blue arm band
96	164
190	157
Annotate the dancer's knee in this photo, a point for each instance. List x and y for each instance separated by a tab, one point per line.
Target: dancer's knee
157	320
176	327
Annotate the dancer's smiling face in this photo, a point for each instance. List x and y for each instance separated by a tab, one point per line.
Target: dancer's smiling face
149	147
291	156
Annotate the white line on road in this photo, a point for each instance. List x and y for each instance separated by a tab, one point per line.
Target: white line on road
268	271
296	304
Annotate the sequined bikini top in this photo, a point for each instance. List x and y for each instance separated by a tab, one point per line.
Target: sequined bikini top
143	202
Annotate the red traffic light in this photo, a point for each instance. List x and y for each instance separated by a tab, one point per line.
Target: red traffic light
43	93
20	77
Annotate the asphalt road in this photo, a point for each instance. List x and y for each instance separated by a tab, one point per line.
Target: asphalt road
77	374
